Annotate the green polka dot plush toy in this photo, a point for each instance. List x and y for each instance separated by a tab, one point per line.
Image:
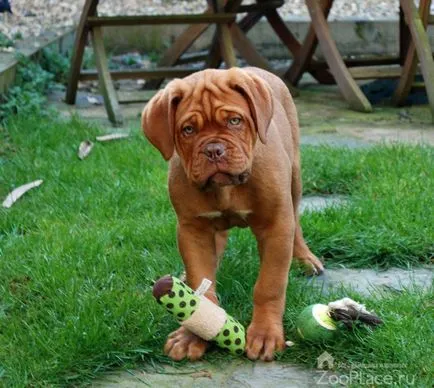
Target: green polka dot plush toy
199	315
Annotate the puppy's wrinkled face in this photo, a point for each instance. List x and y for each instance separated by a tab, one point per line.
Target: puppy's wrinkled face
212	119
214	136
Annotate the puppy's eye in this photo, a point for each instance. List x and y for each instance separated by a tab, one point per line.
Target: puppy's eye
235	121
187	130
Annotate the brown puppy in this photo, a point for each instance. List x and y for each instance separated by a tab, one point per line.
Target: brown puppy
232	139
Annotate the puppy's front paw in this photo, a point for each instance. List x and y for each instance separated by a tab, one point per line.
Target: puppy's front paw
263	339
311	264
182	343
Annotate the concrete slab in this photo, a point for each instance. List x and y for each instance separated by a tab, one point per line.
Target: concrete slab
234	374
367	281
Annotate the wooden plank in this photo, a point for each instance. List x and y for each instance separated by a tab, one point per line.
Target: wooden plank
113	21
348	87
105	81
161	72
374	61
375	72
409	67
423	48
89	9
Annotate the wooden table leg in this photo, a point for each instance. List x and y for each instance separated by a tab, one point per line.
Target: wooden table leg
297	50
89	9
105	80
417	22
348	87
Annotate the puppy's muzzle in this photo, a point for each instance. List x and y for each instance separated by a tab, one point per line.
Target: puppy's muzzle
214	152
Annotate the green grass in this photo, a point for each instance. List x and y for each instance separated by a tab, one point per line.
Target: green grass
78	254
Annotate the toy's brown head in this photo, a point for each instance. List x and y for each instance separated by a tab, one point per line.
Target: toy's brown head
212	120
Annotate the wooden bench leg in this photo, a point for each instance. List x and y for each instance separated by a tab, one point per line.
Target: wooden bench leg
423	48
348	87
417	23
89	9
297	50
105	80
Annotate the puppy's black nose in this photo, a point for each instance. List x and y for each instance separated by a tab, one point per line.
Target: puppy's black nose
214	151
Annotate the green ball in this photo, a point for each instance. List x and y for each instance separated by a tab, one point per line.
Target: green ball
314	324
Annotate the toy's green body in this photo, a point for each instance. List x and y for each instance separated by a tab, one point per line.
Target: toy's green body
182	303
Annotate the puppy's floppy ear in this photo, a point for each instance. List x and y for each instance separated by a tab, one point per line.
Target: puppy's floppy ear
258	95
158	119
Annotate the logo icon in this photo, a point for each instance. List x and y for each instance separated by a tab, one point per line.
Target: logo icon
325	359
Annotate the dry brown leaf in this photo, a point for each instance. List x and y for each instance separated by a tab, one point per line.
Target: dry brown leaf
84	149
112	136
15	194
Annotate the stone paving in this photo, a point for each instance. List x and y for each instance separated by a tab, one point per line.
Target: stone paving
237	374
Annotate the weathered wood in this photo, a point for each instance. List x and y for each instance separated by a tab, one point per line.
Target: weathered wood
348	87
113	21
89	9
160	72
223	37
105	81
305	53
247	50
247	23
226	45
294	46
404	38
409	67
375	72
423	48
178	47
375	61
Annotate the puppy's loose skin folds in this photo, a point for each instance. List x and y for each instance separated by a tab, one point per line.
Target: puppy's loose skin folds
232	139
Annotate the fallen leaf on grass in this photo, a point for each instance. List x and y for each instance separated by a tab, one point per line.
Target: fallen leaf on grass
84	149
112	136
289	343
14	195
